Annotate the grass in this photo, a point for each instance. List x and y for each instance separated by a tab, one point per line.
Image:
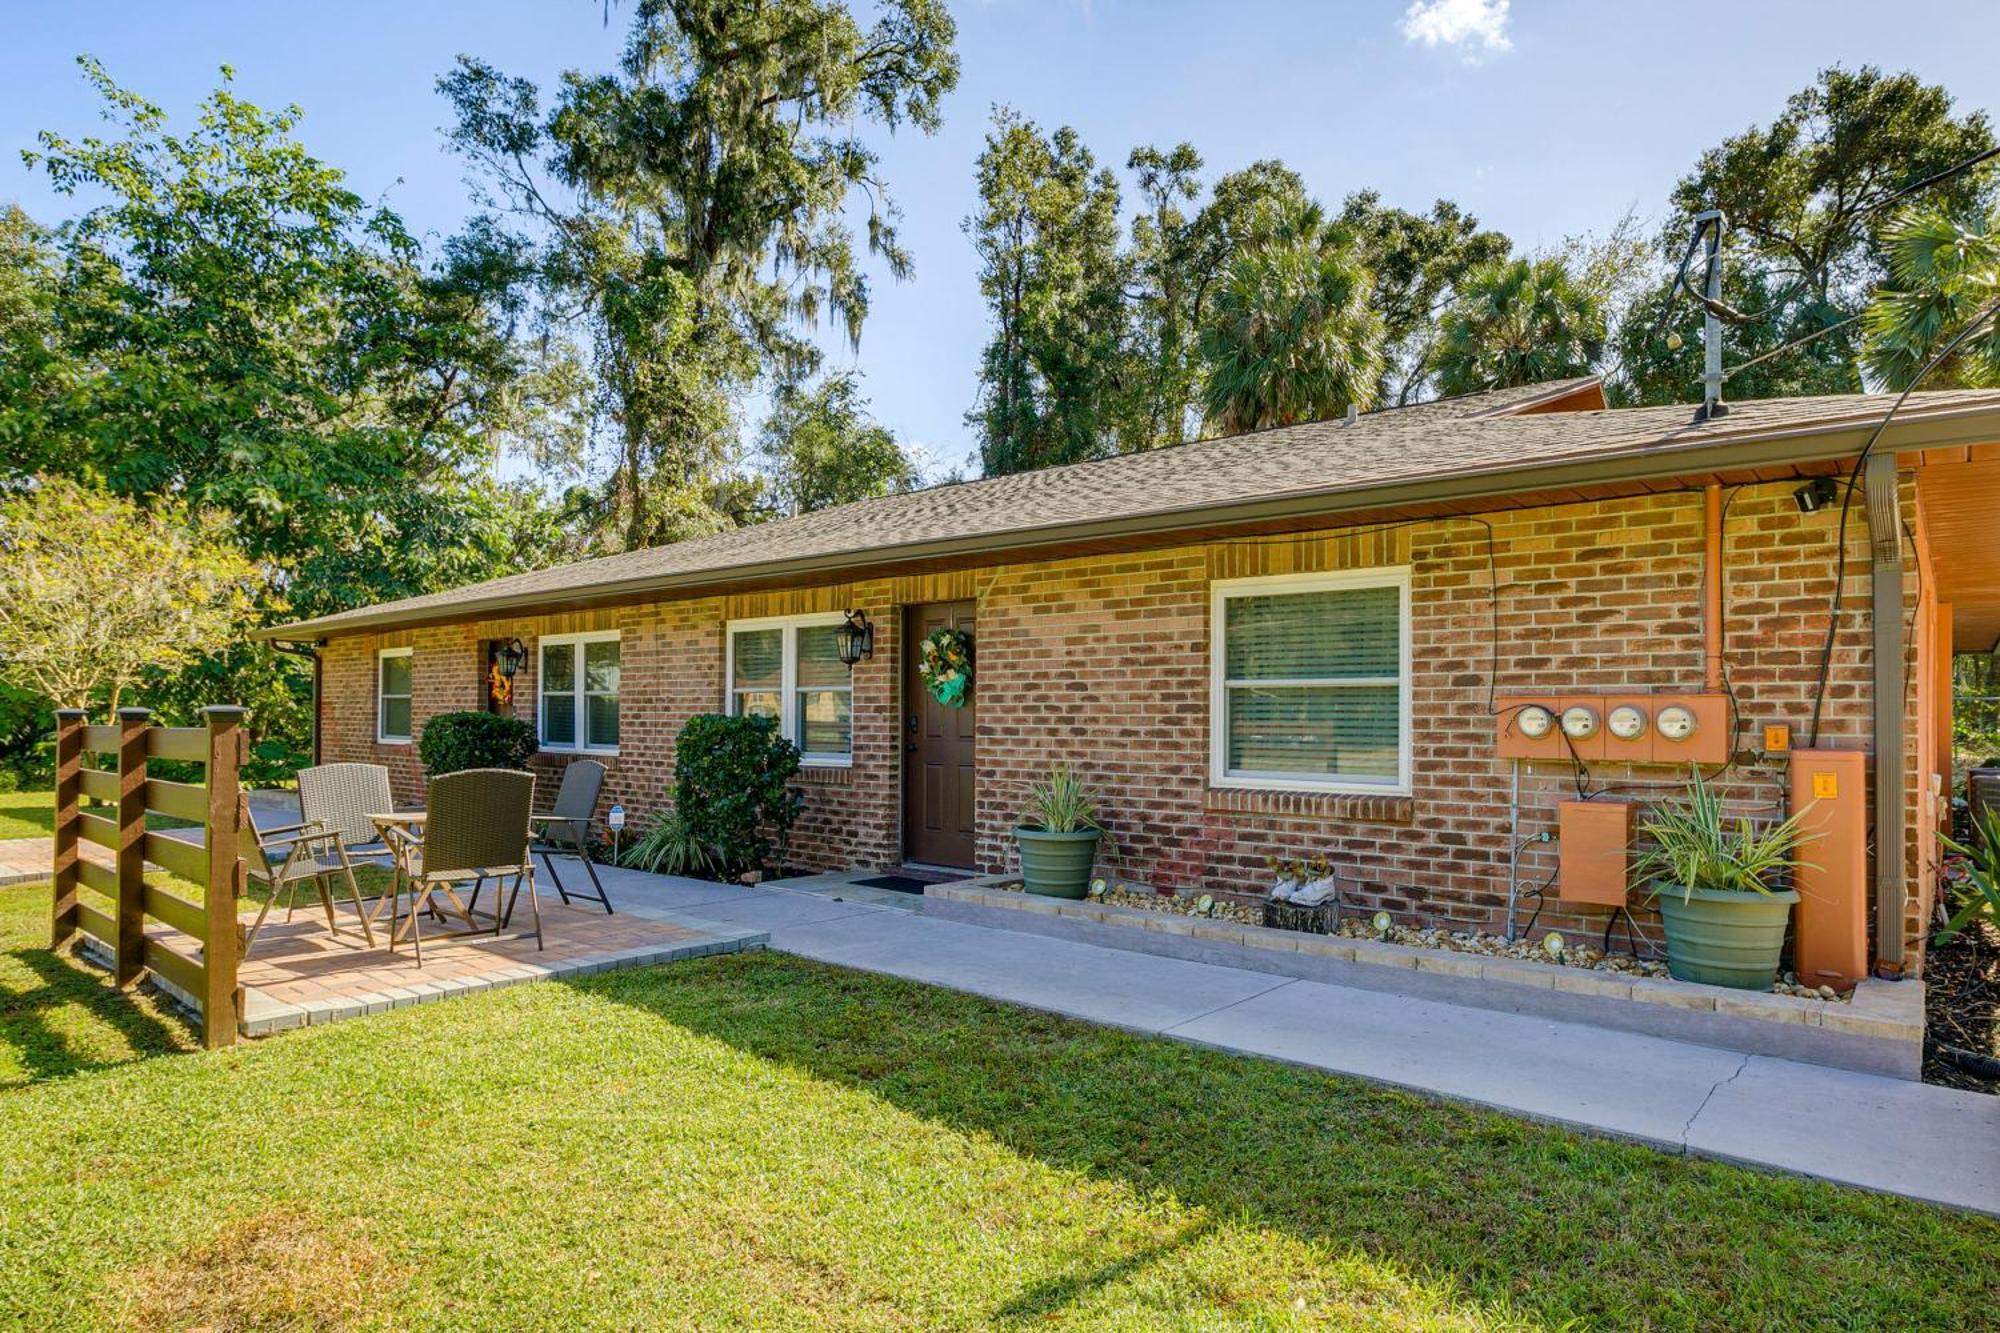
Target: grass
27	814
756	1140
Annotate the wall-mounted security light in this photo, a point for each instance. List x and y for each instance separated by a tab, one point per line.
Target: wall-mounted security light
1816	494
1535	721
1676	723
1627	722
1579	723
855	639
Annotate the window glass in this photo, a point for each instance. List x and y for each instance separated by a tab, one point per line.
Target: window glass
558	688
773	663
396	675
1312	685
600	683
825	726
760	658
392	697
819	657
396	717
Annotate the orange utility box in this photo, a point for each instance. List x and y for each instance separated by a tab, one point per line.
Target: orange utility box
1831	870
1595	863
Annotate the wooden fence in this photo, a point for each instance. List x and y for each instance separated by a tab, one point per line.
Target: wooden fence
119	902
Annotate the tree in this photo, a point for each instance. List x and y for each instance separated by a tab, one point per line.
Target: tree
1418	261
1291	336
1662	362
1944	274
1516	323
233	327
96	591
1056	375
820	448
1168	284
691	208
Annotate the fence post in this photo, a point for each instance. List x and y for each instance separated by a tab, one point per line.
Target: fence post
69	794
131	907
220	1015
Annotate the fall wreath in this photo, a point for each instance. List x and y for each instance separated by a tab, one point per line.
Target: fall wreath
944	662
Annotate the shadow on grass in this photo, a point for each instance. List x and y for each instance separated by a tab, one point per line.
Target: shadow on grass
61	1016
1555	1225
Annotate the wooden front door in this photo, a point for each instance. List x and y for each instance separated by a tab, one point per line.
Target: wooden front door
937	748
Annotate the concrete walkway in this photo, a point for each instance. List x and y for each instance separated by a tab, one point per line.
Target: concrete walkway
1936	1144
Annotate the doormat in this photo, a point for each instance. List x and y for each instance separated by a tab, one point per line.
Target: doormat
899	883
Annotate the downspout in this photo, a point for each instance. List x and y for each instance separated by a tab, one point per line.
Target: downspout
309	648
1886	614
1711	590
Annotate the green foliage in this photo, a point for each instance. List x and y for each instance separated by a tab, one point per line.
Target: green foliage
820	448
1519	322
470	739
1696	847
1654	371
732	792
1061	802
1944	273
1975	712
96	591
1047	238
669	847
1292	335
693	206
1977	893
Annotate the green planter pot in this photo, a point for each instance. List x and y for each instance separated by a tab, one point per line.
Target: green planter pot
1725	937
1056	865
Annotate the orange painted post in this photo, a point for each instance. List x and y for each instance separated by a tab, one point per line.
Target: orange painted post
131	907
221	1001
69	821
1831	871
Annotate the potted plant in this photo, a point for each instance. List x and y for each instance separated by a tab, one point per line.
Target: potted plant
1725	922
1058	835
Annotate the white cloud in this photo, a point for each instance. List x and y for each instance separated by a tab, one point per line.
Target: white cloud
1476	27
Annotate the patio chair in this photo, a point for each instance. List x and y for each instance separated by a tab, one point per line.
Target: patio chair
570	823
339	798
476	827
281	858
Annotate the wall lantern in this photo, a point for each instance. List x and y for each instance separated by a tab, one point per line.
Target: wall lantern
510	656
855	639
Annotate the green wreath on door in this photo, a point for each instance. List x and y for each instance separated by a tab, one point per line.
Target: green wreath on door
944	664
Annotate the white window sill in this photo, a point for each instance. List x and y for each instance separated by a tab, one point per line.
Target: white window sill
808	762
1231	781
392	740
589	751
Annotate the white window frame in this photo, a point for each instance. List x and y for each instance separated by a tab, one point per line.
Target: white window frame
788	683
581	701
382	736
1220	592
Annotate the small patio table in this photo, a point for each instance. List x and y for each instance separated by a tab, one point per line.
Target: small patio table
410	823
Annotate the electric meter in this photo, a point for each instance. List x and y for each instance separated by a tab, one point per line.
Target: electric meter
1676	723
1535	721
1579	722
1627	722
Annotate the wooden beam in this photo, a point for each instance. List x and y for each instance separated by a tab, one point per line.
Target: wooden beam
69	808
131	862
222	1012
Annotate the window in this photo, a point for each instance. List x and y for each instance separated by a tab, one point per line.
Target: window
790	669
1311	682
578	688
392	695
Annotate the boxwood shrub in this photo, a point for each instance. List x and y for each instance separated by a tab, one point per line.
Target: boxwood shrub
730	776
452	741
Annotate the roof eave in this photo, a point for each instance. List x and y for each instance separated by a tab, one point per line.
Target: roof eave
1818	442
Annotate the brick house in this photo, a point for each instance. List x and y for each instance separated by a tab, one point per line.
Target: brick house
1313	639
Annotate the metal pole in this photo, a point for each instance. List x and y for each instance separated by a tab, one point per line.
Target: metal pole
1711	325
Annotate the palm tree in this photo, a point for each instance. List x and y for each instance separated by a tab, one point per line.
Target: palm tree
1518	322
1946	273
1291	335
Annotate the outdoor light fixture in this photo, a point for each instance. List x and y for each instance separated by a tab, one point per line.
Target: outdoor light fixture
1579	722
1535	721
856	638
1676	723
510	656
1816	494
1553	944
1381	921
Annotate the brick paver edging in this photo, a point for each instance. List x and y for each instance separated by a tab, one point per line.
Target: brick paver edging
264	1016
1879	1031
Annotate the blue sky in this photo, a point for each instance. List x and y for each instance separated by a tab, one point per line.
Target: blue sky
1545	117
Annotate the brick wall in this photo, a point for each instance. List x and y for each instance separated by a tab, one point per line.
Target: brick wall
1103	661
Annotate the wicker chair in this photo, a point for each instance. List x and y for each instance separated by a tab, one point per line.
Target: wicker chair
338	798
282	858
570	823
475	828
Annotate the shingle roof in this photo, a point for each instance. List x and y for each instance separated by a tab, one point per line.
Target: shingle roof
1460	438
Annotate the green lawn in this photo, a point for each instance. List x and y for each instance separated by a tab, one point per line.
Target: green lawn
761	1141
27	814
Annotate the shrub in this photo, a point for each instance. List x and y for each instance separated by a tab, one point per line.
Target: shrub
454	741
667	847
730	776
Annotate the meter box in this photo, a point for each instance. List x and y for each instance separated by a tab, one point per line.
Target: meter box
1619	728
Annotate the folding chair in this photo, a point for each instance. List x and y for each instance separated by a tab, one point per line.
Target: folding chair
476	827
570	823
339	798
281	858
